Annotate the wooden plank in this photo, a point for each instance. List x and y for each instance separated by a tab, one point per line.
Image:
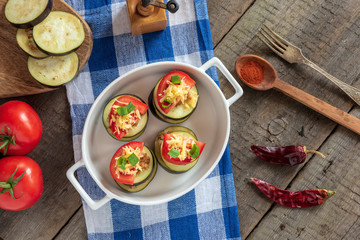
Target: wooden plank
223	14
336	218
75	229
54	154
328	34
354	230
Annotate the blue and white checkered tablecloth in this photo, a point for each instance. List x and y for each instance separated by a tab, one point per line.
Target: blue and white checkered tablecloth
207	212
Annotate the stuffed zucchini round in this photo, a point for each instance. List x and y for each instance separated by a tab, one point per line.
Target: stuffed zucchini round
174	98
133	166
59	34
24	38
177	149
54	70
125	117
27	13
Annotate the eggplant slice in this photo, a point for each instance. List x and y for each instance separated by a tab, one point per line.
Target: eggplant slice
145	181
169	118
26	42
170	167
54	70
27	13
59	34
133	133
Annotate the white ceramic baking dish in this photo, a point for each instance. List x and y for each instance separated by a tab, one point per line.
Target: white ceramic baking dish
210	122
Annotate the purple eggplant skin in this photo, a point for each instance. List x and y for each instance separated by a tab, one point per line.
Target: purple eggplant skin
163	117
57	54
37	20
288	155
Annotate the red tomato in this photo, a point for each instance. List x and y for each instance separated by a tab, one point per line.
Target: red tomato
164	84
124	101
21	125
124	178
28	189
166	148
117	135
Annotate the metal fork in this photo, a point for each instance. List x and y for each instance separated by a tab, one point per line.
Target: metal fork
293	54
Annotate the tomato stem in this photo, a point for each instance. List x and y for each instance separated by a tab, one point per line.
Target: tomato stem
5	143
7	139
10	184
5	185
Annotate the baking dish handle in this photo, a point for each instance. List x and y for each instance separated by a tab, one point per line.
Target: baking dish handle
217	63
70	175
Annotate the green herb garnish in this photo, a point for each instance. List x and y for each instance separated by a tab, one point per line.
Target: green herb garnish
121	162
130	107
124	110
175	79
173	153
195	151
133	159
168	103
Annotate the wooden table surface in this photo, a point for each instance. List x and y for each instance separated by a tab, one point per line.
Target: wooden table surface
328	32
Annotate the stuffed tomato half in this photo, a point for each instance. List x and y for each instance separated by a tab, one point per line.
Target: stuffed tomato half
177	149
174	98
125	117
133	166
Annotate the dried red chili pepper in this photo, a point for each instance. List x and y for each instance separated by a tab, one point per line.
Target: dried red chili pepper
288	155
300	199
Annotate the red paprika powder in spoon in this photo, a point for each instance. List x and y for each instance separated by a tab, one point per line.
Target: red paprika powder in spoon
252	72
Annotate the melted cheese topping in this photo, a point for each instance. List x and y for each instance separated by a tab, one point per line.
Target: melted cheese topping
125	122
129	169
182	144
191	100
176	92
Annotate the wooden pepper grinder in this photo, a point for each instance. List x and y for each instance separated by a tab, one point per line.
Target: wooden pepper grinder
149	15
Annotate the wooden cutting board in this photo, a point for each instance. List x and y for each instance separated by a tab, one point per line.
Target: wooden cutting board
15	79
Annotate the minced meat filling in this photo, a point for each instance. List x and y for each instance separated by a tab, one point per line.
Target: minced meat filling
144	162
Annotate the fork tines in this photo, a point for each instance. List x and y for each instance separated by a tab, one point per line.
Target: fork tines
273	40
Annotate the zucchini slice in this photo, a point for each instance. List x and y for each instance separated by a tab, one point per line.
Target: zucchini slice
170	167
142	179
177	114
27	13
54	70
133	133
59	34
24	38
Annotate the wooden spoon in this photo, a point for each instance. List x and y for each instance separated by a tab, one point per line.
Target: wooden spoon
271	80
15	79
